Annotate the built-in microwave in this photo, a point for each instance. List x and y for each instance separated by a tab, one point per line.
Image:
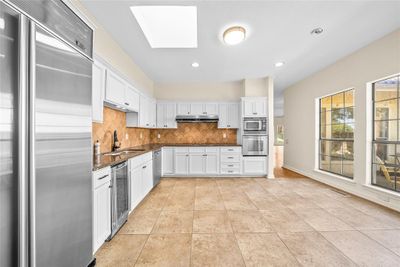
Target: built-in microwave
255	126
255	145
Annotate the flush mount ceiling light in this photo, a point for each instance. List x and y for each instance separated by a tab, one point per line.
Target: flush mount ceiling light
195	64
234	35
168	26
279	64
317	31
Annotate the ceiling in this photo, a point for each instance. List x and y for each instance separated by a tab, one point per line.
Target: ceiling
277	31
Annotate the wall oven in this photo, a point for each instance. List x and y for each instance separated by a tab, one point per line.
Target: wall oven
255	126
255	145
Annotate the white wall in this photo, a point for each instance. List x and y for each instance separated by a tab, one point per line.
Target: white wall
200	91
109	50
379	59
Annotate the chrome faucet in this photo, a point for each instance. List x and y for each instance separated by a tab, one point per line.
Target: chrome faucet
116	144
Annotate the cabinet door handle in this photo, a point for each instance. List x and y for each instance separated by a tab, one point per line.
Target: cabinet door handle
228	125
230	149
127	104
205	155
187	155
102	177
144	167
230	165
230	157
230	171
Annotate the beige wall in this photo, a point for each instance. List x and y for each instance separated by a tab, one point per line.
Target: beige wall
377	60
108	49
255	87
200	91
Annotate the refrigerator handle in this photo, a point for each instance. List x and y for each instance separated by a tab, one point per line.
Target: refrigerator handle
23	143
32	163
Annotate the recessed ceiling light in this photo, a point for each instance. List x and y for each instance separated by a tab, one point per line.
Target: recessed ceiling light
195	64
317	31
234	35
279	64
168	26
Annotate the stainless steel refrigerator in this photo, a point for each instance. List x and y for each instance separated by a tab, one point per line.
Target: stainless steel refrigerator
45	135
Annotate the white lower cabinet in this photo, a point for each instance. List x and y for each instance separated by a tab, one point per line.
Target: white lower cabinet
141	178
196	163
181	162
255	165
101	207
212	163
168	159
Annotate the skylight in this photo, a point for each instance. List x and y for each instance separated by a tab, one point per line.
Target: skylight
168	26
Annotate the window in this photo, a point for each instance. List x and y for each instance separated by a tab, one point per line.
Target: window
336	133
279	136
386	136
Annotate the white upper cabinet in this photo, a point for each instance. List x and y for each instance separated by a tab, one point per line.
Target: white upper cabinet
228	115
144	116
132	99
166	113
153	113
197	109
115	89
98	90
254	106
183	109
210	109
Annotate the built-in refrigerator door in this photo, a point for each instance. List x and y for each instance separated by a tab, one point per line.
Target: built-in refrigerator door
9	97
61	183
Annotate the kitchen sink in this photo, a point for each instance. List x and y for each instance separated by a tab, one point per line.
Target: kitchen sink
124	152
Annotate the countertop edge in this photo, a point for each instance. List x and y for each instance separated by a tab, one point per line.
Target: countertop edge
147	148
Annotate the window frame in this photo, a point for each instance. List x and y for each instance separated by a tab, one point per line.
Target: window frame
384	142
331	139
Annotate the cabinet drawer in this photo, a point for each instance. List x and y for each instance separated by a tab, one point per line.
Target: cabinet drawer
139	160
211	149
230	171
196	149
181	150
230	158
101	177
233	165
237	149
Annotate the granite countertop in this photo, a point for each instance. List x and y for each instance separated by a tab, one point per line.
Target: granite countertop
108	160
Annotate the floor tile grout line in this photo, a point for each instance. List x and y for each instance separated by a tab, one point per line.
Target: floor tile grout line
379	243
347	257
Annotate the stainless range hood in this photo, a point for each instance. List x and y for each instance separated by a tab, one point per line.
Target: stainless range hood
197	118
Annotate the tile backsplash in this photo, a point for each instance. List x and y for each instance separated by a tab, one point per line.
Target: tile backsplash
192	133
116	120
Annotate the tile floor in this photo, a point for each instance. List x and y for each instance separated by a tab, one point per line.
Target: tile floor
254	222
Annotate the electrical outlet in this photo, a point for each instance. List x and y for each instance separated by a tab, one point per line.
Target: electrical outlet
224	135
158	136
126	136
141	135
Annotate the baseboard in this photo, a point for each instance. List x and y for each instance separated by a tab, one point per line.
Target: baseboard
315	176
